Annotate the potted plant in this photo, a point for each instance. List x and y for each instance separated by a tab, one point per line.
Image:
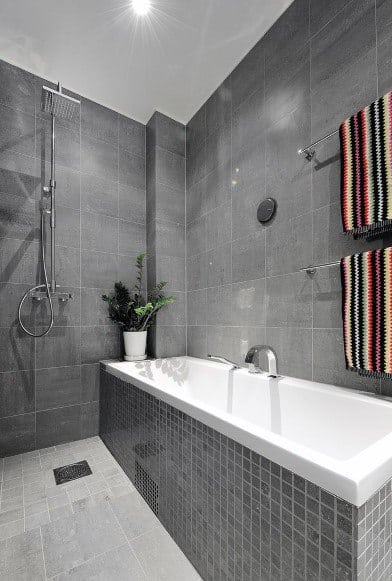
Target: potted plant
134	314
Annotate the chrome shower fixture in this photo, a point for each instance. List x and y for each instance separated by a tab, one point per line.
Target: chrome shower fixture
55	102
63	107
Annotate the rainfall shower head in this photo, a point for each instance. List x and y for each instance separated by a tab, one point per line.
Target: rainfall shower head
60	105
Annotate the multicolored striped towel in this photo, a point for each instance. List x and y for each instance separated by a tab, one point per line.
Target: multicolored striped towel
366	153
367	312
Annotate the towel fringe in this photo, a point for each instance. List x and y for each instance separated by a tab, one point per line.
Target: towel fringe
371	231
369	373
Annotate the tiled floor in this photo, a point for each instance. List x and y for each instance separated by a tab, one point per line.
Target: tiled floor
97	527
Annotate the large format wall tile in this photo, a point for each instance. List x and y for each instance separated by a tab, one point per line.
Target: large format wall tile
318	64
101	216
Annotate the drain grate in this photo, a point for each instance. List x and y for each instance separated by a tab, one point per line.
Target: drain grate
72	472
147	487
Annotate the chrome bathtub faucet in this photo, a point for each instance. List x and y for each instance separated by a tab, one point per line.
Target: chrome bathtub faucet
272	360
223	360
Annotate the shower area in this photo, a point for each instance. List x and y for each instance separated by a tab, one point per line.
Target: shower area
72	221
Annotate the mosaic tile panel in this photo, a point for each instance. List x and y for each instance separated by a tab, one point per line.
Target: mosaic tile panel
235	514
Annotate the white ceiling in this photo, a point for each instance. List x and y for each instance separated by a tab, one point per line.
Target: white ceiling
170	62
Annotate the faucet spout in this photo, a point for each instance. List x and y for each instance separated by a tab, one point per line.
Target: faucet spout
223	360
271	355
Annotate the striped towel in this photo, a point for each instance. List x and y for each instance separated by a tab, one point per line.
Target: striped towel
367	306
366	154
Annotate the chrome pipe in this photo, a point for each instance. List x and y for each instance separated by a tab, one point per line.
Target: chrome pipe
53	210
311	269
309	149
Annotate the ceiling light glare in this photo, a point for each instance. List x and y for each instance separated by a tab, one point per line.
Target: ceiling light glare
141	7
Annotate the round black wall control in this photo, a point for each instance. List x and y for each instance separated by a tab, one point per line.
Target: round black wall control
266	210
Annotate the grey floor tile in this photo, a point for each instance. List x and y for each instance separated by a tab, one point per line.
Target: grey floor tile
161	558
134	516
22	558
71	541
116	565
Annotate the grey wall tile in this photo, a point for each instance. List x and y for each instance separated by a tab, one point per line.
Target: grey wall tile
218	107
67	227
196	272
17	349
10	295
169	341
17	434
197	341
18	260
131	136
170	239
99	269
89	420
17	88
250	303
196	236
99	195
218	265
170	204
126	270
327	291
220	341
170	169
132	203
67	183
58	426
99	233
218	226
131	237
18	132
175	313
172	270
17	393
322	13
68	266
329	362
289	246
294	350
90	382
101	342
289	300
166	133
109	149
66	314
94	311
384	44
248	257
99	122
197	307
99	158
196	131
67	143
218	148
131	169
219	306
61	347
248	76
57	387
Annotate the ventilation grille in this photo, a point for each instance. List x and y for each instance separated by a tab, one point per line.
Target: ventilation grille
147	487
71	472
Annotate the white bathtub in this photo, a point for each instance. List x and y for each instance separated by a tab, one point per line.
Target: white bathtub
337	438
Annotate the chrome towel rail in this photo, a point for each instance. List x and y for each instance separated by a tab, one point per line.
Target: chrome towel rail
311	269
309	151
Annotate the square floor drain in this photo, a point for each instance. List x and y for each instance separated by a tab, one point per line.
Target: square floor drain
72	472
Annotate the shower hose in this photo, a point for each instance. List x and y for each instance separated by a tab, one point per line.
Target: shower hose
39	286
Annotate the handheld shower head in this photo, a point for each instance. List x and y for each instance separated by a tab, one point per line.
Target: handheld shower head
60	105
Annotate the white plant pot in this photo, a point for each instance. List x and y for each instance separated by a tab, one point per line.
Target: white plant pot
135	345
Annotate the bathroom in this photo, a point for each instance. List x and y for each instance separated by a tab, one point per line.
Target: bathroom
233	422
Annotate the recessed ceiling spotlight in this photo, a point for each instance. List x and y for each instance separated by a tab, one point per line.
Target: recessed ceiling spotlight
141	7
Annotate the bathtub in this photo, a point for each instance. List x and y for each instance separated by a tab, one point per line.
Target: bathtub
337	438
